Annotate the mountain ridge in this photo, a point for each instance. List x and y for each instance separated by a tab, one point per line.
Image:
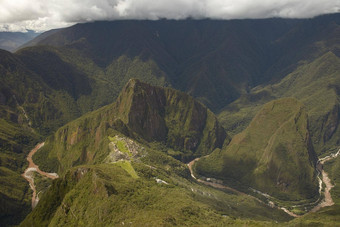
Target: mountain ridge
172	114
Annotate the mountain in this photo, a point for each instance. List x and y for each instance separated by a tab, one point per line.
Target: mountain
39	92
117	168
107	194
217	62
11	41
233	67
38	38
316	84
16	137
170	119
274	154
214	61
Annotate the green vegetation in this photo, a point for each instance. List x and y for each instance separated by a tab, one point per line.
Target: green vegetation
238	69
169	117
328	216
15	202
273	154
315	84
49	165
15	141
121	145
106	194
153	186
126	165
42	183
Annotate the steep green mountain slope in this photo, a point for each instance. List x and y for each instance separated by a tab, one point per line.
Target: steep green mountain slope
212	60
27	98
215	61
87	85
15	203
16	136
328	216
86	65
117	166
34	101
274	154
316	84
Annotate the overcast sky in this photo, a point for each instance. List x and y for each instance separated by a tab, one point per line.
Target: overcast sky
42	15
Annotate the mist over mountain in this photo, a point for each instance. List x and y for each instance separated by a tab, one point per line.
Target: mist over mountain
11	41
39	15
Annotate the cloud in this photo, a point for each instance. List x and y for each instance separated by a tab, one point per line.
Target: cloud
41	15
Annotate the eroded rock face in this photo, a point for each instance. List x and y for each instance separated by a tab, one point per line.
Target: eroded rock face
169	116
331	123
147	111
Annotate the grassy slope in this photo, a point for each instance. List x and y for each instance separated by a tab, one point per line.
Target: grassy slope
273	154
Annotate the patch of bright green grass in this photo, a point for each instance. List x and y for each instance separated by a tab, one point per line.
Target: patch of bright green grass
126	165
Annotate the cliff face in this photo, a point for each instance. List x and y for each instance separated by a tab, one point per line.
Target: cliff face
274	154
142	108
171	117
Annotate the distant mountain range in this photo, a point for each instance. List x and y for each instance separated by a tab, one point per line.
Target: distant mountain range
11	41
272	83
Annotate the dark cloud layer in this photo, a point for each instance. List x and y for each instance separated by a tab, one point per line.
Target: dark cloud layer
41	15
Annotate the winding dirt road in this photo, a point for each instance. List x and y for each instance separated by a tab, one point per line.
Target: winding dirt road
29	172
327	201
215	185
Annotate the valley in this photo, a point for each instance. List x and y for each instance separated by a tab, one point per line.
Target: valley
195	122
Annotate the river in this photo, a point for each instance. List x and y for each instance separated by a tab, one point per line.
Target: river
327	201
29	173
